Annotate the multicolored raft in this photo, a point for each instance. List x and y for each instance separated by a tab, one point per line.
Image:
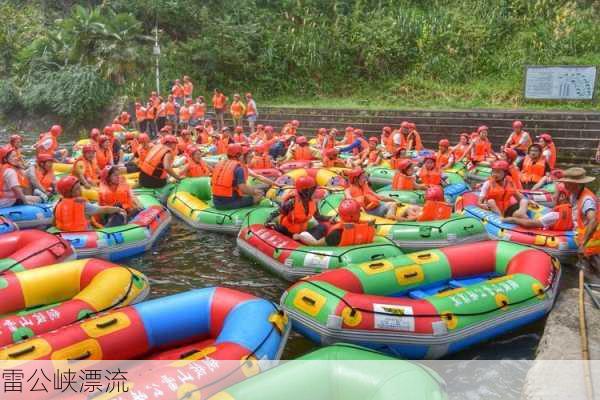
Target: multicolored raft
292	260
430	303
46	298
22	250
341	372
217	336
29	216
119	242
190	201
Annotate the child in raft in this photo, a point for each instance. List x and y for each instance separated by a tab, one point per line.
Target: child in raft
194	165
404	179
371	202
116	192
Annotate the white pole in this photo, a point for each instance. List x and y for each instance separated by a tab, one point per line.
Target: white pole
156	52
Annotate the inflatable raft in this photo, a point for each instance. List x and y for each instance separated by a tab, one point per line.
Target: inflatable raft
341	372
46	298
427	304
414	236
29	216
23	250
119	242
292	260
228	337
190	201
6	225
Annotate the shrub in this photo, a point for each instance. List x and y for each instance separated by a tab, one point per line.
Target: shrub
9	97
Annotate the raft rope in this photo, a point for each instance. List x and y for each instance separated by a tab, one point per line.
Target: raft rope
48	248
447	315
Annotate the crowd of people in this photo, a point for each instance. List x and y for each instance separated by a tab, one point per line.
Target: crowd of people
176	135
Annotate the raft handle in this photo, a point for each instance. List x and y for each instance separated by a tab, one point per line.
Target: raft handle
308	300
188	353
376	265
468	227
85	355
377	256
424	256
106	324
20	353
411	274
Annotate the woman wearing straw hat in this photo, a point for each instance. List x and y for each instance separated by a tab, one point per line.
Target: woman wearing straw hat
585	213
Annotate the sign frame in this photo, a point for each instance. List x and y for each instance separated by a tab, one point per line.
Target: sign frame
594	93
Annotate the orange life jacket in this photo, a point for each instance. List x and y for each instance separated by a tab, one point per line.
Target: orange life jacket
302	153
46	179
430	176
552	160
184	114
516	138
363	145
348	138
170	109
152	164
417	144
388	142
195	169
140	114
188	88
161	110
151	113
182	144
481	150
435	211
533	172
199	111
22	179
119	196
236	109
353	234
142	152
222	179
501	194
104	157
441	159
565	218
296	220
124	119
403	182
364	195
515	175
593	245
460	150
53	146
395	161
373	156
261	162
177	91
218	101
90	169
222	144
69	215
239	138
250	108
329	162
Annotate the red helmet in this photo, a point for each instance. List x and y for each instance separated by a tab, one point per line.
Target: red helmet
305	182
444	143
349	211
301	140
191	149
429	156
185	132
511	154
239	129
387	129
403	164
500	164
349	129
108	131
105	173
374	139
517	124
482	128
66	184
41	158
94	134
234	150
295	123
269	129
102	139
15	138
56	130
88	148
169	139
405	124
546	137
434	193
143	138
331	153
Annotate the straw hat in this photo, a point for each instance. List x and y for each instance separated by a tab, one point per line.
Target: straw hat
576	175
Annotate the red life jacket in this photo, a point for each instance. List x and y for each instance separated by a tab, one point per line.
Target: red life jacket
435	211
118	196
152	164
90	169
430	176
593	245
69	215
565	218
364	195
297	219
195	169
45	178
222	179
501	194
354	233
533	172
261	162
403	182
302	153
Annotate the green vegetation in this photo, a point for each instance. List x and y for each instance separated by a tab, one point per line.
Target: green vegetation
73	60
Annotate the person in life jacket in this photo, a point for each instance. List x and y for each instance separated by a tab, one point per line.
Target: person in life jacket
14	186
320	137
429	174
86	168
94	137
444	157
72	212
157	166
398	156
202	136
462	151
348	138
219	102
177	92
349	231
171	109
413	139
194	165
510	155
373	203
257	135
116	126
198	111
188	87
298	213
372	155
559	219
229	182
224	140
125	119
481	151
387	140
331	159
115	145
519	140
533	167
184	141
435	207
185	114
16	142
499	195
548	149
140	117
261	158
359	144
404	178
238	136
301	151
143	147
237	110
116	192
586	216
48	142
41	176
251	111
104	155
399	136
330	139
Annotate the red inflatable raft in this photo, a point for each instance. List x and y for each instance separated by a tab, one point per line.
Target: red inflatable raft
23	250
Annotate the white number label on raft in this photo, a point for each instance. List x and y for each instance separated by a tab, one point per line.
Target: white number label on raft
320	260
394	317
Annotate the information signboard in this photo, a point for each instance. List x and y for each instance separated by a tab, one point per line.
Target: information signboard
560	82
